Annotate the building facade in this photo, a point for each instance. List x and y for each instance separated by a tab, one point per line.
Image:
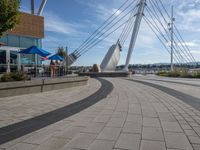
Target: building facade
29	32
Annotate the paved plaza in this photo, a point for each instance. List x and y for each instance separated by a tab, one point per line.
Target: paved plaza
19	108
135	115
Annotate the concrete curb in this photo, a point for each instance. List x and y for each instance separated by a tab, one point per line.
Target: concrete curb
28	87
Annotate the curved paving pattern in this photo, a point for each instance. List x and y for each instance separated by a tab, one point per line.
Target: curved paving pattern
191	100
22	128
133	116
196	85
12	108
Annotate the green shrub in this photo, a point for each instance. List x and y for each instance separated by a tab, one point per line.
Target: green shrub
183	73
6	78
162	73
14	76
18	76
174	74
196	75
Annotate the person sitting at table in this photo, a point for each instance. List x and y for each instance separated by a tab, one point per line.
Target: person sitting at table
57	64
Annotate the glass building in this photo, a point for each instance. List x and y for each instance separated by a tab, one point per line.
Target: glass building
29	32
20	41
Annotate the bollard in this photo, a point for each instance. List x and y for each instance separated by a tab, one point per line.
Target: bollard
42	86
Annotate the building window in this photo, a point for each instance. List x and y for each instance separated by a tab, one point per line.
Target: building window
13	61
13	57
26	42
13	41
27	59
2	57
4	39
37	42
3	65
20	41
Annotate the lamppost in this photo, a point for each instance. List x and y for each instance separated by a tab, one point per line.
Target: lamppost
66	59
171	29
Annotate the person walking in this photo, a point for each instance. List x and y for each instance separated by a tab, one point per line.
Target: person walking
52	68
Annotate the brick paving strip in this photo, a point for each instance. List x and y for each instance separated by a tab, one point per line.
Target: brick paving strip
174	82
17	130
191	100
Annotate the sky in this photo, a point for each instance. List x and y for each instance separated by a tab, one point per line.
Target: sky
70	22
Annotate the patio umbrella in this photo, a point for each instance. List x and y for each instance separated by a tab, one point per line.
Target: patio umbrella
35	50
56	57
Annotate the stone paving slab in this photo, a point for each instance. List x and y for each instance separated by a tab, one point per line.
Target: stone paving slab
109	133
52	144
101	145
133	117
20	146
128	141
81	141
154	134
152	145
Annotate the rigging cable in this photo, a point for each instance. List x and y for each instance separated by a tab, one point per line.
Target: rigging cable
127	29
94	44
176	29
152	15
177	46
106	31
153	28
102	27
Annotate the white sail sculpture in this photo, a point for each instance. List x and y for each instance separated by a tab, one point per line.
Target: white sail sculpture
111	59
71	59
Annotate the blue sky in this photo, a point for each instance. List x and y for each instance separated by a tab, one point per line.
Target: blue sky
70	22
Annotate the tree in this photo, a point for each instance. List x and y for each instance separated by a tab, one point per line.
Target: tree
61	52
9	15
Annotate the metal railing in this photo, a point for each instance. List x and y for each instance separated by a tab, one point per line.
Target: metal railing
33	70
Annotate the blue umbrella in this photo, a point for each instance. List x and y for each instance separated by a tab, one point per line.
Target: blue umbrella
35	50
56	57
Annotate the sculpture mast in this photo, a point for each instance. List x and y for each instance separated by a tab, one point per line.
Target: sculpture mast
136	28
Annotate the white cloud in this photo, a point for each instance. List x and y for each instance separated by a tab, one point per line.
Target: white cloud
195	51
117	12
56	24
101	11
196	54
188	13
190	44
